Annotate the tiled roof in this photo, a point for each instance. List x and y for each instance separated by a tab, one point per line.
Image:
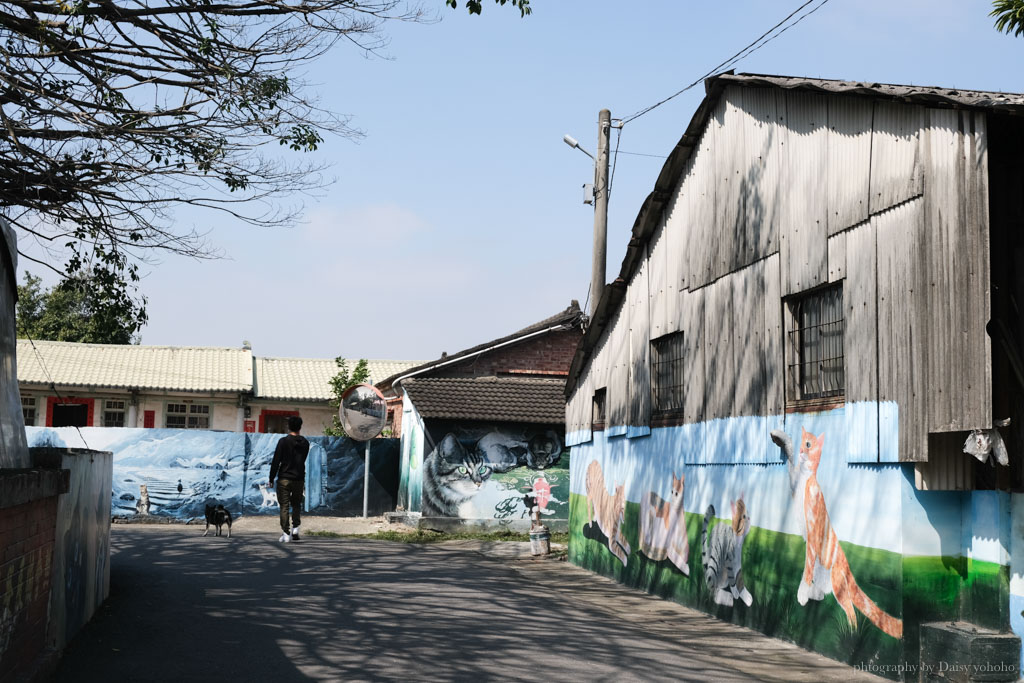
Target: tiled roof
307	379
572	315
499	399
169	368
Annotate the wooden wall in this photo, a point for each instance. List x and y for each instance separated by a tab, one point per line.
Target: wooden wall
786	191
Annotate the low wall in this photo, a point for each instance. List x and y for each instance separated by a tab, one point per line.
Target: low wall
81	553
28	514
174	473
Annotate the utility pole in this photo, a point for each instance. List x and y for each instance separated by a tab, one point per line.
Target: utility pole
597	278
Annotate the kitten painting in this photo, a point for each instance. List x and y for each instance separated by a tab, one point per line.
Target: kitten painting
608	510
826	569
142	507
452	475
722	555
663	527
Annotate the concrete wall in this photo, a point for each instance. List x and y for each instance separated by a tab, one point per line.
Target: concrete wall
13	452
226	415
81	556
229	468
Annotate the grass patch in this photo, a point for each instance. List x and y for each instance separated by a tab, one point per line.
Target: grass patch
427	536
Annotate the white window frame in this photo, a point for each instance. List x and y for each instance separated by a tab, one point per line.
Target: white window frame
193	414
33	405
106	409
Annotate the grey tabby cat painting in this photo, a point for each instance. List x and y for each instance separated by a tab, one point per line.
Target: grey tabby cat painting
458	469
452	474
722	556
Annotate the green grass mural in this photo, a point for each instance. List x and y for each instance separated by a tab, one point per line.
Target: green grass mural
916	589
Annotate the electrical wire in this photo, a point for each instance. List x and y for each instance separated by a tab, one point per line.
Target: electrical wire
751	48
615	160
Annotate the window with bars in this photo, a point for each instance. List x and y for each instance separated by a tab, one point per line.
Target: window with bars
113	413
667	374
598	415
817	341
187	416
28	409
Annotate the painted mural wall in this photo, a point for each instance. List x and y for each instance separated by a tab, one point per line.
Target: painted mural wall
482	471
840	557
174	472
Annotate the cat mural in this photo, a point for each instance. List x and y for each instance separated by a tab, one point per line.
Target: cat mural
608	510
826	569
453	474
663	527
722	555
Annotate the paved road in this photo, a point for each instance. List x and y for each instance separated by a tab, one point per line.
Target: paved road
183	607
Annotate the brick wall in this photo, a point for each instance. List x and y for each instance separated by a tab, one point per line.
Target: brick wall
26	544
548	354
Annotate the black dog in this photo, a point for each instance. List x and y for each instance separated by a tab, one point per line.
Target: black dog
218	516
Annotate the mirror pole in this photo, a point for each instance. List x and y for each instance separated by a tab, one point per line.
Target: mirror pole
366	479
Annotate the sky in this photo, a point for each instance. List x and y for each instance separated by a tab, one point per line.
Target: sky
459	218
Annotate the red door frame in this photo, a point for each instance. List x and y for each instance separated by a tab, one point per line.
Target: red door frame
264	413
51	401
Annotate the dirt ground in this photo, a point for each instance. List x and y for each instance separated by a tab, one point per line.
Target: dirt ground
252	524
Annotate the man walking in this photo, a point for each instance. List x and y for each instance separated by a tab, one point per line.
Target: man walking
289	466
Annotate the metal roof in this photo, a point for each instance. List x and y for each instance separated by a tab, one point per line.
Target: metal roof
651	210
497	399
127	366
308	379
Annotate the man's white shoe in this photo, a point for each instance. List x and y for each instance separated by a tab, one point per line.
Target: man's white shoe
285	538
295	533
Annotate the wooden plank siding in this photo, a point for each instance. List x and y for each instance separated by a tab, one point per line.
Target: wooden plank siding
860	342
849	162
658	282
956	265
639	299
804	230
694	365
784	192
895	155
618	394
902	324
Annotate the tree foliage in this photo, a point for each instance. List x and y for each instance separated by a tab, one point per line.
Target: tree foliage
339	383
112	112
77	312
1009	16
476	6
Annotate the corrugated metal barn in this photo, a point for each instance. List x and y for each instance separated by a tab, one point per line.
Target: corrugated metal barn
835	262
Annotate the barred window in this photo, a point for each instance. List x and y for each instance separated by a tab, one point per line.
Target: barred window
818	341
187	416
667	373
113	413
598	415
28	409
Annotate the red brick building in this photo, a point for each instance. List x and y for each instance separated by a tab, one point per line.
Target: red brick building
478	425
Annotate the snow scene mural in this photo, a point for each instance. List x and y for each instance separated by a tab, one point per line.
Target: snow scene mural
176	472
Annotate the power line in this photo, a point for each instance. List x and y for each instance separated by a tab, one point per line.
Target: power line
751	48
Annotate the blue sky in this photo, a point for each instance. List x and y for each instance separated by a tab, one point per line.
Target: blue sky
459	217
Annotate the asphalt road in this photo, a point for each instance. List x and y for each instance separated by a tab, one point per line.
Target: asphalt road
183	607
